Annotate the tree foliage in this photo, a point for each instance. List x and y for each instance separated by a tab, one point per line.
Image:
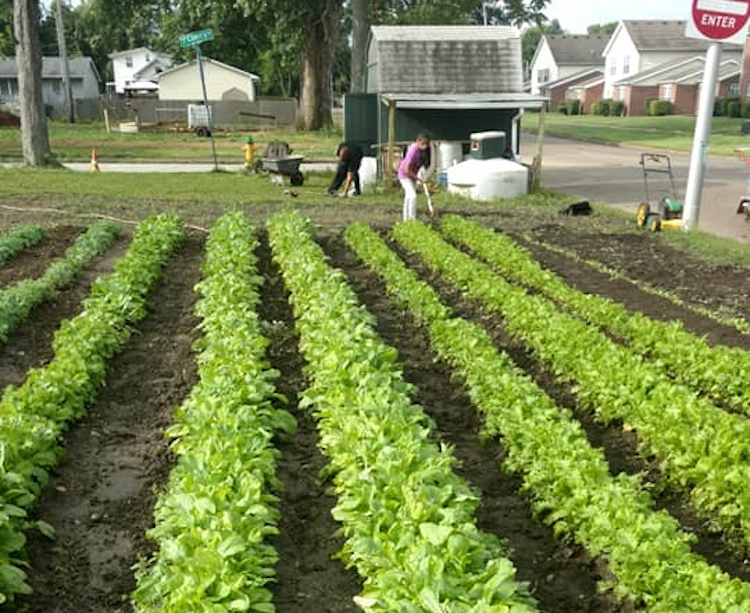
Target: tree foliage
602	29
7	43
532	36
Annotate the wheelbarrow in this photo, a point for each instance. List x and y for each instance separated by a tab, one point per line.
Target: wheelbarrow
666	213
744	207
287	166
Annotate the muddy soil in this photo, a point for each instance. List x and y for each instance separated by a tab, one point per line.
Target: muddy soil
640	257
32	261
563	578
101	498
30	344
309	579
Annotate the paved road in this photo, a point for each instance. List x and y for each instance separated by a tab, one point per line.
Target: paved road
613	175
186	167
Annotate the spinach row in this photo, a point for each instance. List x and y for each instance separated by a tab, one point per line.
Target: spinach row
700	447
213	521
17	300
19	238
407	518
568	481
34	415
719	372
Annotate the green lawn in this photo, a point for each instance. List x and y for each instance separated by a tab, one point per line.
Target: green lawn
73	143
673	133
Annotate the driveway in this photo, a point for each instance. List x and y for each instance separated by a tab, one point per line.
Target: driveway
613	175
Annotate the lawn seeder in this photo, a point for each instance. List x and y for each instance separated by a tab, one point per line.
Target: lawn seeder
666	213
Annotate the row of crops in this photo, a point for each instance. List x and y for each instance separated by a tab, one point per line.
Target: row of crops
407	518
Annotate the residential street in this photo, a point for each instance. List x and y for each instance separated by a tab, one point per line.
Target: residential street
613	175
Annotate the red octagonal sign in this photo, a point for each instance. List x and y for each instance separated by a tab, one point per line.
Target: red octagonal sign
720	19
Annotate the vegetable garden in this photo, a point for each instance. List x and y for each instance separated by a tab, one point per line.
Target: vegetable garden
441	418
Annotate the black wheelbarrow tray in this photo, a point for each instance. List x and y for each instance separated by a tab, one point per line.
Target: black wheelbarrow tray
287	166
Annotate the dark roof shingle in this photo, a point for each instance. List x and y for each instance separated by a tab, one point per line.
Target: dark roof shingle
578	50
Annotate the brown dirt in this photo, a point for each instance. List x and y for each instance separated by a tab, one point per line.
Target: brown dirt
30	344
564	578
620	446
588	280
101	497
640	257
309	579
31	262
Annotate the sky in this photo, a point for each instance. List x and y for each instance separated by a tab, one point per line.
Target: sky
575	15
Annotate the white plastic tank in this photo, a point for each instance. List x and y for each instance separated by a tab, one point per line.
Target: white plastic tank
368	172
488	179
449	153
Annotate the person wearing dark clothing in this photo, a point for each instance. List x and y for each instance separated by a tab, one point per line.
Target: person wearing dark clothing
350	159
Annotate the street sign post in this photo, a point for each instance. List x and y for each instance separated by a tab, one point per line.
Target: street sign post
718	21
194	39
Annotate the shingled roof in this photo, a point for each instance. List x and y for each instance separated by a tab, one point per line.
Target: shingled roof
662	36
444	60
577	50
78	66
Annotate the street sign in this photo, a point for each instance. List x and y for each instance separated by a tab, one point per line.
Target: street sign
719	20
201	36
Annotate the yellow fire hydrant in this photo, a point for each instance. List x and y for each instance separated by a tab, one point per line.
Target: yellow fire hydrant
249	148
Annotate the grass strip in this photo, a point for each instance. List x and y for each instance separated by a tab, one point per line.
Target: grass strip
719	372
701	448
19	238
407	518
17	300
568	481
34	415
213	521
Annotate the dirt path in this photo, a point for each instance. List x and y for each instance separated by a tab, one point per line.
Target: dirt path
309	579
30	344
101	498
32	261
563	578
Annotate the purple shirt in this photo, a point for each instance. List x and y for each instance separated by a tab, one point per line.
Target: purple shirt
412	161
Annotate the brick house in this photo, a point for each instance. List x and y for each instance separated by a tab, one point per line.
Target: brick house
560	57
559	91
587	93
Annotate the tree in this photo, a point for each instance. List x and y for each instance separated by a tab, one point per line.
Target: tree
361	21
604	29
532	36
7	42
34	137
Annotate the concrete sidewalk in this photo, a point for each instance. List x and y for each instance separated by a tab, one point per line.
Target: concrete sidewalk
613	175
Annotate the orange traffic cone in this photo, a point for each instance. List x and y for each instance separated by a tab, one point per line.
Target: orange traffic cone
94	162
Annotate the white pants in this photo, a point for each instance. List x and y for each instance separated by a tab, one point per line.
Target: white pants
410	198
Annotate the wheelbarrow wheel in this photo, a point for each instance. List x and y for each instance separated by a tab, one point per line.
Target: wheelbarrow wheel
744	207
654	223
641	217
297	179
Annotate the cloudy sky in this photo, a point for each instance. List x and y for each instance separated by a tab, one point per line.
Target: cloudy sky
575	15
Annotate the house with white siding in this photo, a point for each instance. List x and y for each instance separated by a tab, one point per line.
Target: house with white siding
223	82
136	69
559	57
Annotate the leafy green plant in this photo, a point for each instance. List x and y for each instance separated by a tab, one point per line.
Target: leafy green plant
700	447
19	238
34	415
660	108
17	300
407	518
213	521
568	481
719	372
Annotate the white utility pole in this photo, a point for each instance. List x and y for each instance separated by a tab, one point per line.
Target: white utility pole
62	48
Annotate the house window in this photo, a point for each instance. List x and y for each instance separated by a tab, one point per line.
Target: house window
626	65
622	92
148	57
734	90
542	75
613	67
56	87
666	91
129	61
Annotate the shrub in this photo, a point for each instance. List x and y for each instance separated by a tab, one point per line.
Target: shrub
721	109
573	107
601	107
617	108
659	108
734	108
562	108
745	110
647	108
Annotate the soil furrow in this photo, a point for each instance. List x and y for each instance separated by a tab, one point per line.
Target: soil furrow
101	498
309	579
619	444
32	261
563	578
30	344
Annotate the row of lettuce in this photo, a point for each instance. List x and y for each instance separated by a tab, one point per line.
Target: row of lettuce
407	518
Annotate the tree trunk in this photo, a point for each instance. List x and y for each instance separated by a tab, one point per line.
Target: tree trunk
360	35
34	138
316	68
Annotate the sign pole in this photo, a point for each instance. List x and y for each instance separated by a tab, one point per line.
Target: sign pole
699	156
205	104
